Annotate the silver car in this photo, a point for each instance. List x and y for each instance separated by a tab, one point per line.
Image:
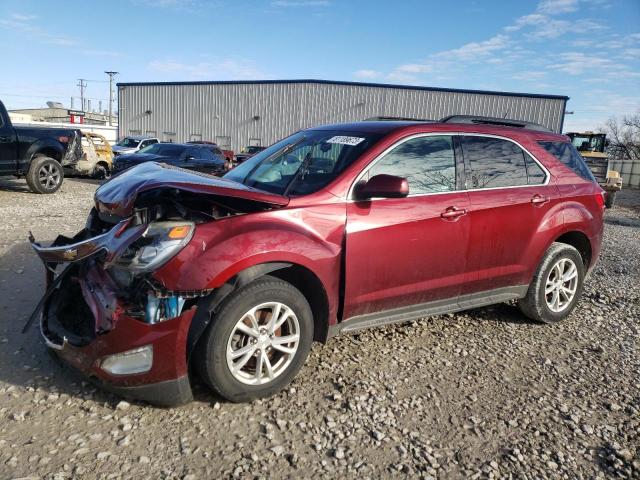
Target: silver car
132	144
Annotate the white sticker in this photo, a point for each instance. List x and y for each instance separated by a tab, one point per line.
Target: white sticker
345	140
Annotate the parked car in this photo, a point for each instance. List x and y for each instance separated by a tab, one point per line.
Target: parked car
132	144
227	154
248	152
97	157
202	158
234	277
39	154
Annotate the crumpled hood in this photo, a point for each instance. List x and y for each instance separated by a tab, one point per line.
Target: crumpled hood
118	195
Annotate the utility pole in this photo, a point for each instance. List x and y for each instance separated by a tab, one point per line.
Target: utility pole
111	75
82	83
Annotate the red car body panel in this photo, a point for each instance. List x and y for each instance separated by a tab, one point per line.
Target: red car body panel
369	256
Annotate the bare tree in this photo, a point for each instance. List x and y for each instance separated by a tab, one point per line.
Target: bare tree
624	137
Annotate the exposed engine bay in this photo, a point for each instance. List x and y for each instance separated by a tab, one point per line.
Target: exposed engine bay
111	261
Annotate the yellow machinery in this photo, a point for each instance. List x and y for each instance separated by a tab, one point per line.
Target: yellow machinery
592	148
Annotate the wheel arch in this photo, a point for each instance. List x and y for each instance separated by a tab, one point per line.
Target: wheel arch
297	275
580	241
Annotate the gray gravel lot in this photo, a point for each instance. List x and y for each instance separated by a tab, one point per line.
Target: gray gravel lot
482	394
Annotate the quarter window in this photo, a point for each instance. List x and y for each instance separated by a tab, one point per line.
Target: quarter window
428	164
567	154
535	174
493	162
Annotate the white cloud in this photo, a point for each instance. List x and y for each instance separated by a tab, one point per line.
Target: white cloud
22	18
227	69
300	3
367	74
474	50
25	25
556	7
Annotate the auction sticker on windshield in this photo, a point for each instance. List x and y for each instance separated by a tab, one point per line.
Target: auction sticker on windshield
342	140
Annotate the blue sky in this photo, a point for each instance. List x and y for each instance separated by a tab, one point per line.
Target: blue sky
586	49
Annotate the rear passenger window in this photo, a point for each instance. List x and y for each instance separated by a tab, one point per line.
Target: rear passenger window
493	162
567	154
428	164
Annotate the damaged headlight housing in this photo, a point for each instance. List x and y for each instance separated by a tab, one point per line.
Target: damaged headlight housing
159	243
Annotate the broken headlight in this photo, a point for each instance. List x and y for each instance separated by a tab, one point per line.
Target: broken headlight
159	243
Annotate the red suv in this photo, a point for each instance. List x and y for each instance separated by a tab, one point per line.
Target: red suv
333	229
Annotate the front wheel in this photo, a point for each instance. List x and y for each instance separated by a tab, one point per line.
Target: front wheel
557	285
45	175
257	342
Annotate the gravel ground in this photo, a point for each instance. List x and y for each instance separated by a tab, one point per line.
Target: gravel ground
482	394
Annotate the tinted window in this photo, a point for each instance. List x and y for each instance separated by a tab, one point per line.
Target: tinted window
168	149
428	163
567	154
535	174
493	162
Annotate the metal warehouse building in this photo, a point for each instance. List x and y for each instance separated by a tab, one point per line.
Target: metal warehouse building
238	113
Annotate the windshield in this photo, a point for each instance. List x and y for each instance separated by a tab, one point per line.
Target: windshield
168	149
128	142
302	163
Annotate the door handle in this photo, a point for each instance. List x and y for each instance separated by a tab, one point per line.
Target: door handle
453	212
5	139
539	199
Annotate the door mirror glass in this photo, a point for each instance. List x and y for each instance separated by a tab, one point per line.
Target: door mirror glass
382	186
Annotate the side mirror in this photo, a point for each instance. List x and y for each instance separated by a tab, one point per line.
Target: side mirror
382	186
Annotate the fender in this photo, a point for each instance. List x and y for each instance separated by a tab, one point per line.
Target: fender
247	246
45	144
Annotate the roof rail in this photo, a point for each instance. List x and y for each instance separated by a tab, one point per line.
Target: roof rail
398	119
503	122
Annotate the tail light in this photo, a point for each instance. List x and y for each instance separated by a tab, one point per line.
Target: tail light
601	197
63	139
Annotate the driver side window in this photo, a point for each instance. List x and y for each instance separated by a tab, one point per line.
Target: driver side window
428	163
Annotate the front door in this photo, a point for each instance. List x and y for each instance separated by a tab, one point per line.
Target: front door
408	251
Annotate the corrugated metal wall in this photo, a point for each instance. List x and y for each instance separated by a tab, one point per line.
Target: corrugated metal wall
239	114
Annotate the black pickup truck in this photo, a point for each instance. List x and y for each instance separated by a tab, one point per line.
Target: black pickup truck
37	153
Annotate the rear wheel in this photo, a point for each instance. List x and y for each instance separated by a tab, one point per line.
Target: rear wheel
257	342
101	171
45	175
557	285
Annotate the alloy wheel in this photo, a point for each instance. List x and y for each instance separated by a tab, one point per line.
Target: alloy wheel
263	343
49	176
561	285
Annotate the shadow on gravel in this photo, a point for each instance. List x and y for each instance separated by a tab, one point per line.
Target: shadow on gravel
14	185
19	185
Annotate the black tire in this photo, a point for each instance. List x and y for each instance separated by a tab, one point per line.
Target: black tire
101	172
610	199
534	305
45	175
210	357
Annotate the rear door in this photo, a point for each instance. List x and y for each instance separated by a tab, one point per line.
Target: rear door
408	251
509	193
8	148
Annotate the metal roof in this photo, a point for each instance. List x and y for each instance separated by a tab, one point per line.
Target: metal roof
354	84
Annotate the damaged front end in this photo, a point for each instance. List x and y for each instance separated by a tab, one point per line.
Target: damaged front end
104	311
